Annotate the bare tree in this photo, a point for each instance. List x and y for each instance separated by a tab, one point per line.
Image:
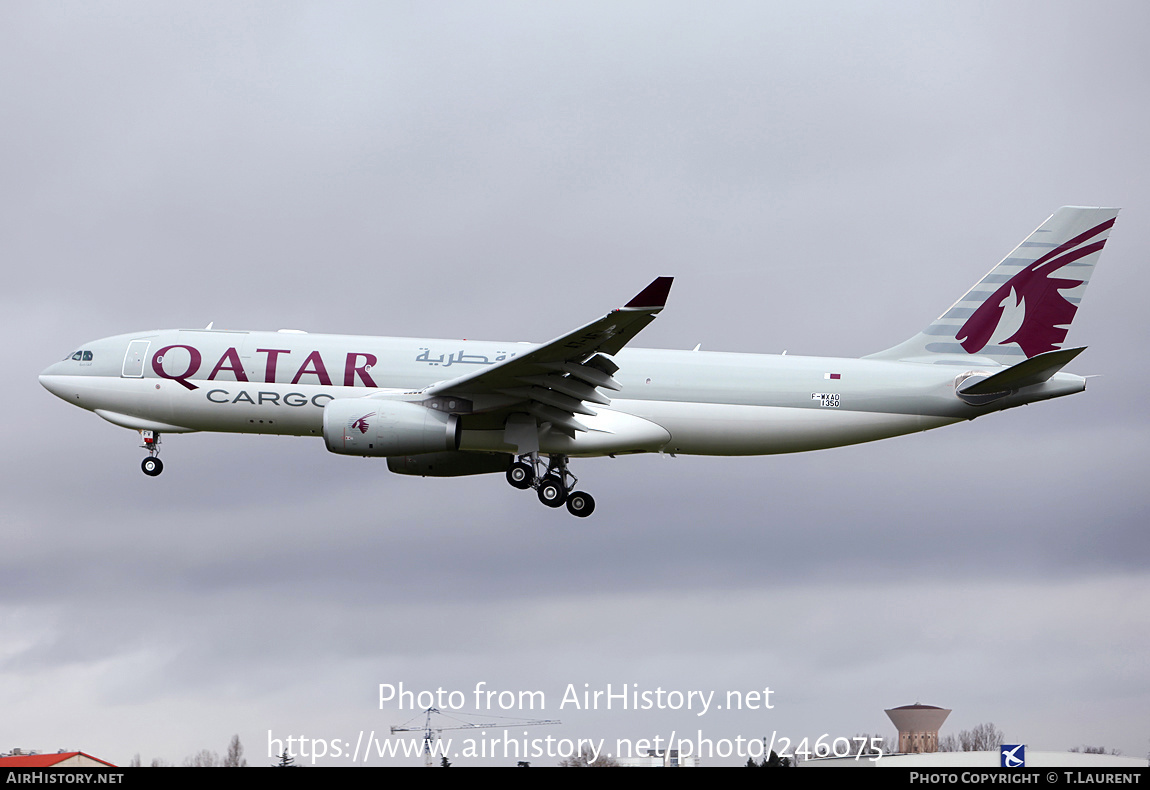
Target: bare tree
235	756
204	758
984	737
1096	750
869	743
584	758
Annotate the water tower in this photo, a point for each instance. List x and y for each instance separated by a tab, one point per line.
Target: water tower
918	727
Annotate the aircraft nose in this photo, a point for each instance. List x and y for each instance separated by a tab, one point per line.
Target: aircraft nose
55	369
51	379
48	382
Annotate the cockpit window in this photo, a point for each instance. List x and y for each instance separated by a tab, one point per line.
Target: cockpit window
87	356
78	356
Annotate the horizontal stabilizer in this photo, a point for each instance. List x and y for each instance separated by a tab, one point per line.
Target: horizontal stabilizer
1035	370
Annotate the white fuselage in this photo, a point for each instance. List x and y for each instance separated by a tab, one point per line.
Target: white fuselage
689	402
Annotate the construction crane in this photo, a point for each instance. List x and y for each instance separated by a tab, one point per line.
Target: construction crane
431	734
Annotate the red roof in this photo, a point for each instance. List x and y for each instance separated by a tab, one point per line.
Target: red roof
45	760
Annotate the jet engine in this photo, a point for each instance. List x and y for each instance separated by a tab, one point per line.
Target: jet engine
364	426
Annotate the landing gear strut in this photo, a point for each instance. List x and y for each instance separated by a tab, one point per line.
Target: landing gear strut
552	485
152	465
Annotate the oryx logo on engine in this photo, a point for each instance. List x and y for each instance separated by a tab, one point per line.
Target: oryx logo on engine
361	424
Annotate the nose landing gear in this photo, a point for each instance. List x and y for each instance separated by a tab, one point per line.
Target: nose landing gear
553	486
152	465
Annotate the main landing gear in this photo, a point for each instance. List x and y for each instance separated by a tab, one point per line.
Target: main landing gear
152	465
552	486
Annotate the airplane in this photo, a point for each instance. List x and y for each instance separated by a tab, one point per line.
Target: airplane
445	408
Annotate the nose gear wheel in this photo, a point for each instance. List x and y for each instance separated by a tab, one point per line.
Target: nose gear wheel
152	465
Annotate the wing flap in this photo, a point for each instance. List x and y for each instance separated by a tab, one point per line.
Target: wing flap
557	417
569	386
588	374
550	398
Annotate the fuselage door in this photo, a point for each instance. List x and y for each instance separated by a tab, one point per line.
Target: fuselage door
134	359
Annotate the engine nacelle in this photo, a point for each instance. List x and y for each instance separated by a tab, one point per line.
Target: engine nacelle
363	426
449	464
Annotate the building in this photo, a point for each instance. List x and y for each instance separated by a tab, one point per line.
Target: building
918	727
55	760
939	760
659	758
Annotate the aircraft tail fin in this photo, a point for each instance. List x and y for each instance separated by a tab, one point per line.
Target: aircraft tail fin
1024	306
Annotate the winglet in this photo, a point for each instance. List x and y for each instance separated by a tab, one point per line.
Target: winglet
653	297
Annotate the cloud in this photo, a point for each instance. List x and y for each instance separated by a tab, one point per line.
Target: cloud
822	182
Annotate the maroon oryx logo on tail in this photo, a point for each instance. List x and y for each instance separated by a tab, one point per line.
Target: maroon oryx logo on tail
1047	313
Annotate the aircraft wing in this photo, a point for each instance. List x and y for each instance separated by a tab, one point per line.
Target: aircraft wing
554	380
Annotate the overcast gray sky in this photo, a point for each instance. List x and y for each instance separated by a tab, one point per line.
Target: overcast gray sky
819	178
